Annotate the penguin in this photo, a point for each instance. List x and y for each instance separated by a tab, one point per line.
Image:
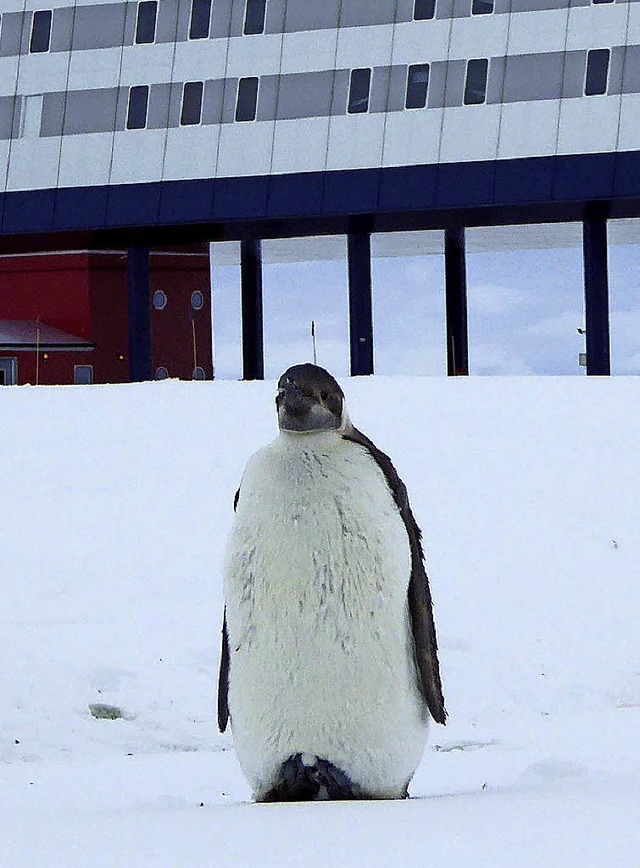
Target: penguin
329	669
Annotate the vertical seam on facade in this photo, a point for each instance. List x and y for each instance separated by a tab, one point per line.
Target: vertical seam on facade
66	94
119	98
225	87
333	95
446	83
15	134
504	78
386	112
167	125
277	100
564	66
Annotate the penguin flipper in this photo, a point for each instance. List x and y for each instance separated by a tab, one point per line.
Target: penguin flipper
223	679
419	595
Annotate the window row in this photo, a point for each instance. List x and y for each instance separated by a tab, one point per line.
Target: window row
358	102
107	24
324	93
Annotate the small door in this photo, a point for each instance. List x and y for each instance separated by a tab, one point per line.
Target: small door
8	372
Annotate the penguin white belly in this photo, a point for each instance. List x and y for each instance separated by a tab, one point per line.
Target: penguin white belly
321	653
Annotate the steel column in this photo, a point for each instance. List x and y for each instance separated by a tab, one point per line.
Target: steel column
252	318
456	302
596	295
360	304
139	314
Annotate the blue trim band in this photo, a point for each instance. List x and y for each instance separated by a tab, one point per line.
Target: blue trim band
536	188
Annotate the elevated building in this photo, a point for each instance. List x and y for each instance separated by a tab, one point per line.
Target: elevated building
141	124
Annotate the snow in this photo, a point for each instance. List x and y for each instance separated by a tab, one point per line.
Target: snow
116	504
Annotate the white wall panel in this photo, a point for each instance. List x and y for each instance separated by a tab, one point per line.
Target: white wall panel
33	164
302	52
588	125
470	132
540	31
355	142
360	46
254	55
599	26
137	156
245	149
300	145
8	73
40	73
412	136
94	69
480	36
528	129
85	160
629	138
421	42
146	64
191	153
633	35
4	160
200	59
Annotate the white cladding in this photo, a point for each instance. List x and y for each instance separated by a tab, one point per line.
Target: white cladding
64	113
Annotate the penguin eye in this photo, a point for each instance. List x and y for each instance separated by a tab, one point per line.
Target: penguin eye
324	396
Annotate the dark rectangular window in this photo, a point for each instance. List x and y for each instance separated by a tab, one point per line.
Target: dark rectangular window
359	91
200	19
247	99
417	84
424	9
602	1
475	86
254	16
83	375
137	109
597	72
146	22
40	31
191	103
481	7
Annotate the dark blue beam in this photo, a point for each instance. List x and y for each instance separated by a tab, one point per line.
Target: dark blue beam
139	314
252	318
360	303
596	295
455	268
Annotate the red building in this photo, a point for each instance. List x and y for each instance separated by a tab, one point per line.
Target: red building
64	316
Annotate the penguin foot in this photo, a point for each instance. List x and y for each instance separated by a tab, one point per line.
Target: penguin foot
305	778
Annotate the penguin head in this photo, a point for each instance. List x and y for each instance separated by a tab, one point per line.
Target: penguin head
309	399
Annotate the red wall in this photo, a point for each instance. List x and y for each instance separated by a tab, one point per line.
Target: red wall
85	294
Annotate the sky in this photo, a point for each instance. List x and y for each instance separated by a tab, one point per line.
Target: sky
524	306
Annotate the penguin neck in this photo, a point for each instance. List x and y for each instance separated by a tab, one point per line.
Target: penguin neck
306	441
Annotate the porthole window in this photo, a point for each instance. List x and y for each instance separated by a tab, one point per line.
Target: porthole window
198	373
197	300
159	299
161	373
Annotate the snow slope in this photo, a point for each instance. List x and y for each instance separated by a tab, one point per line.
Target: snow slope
116	502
